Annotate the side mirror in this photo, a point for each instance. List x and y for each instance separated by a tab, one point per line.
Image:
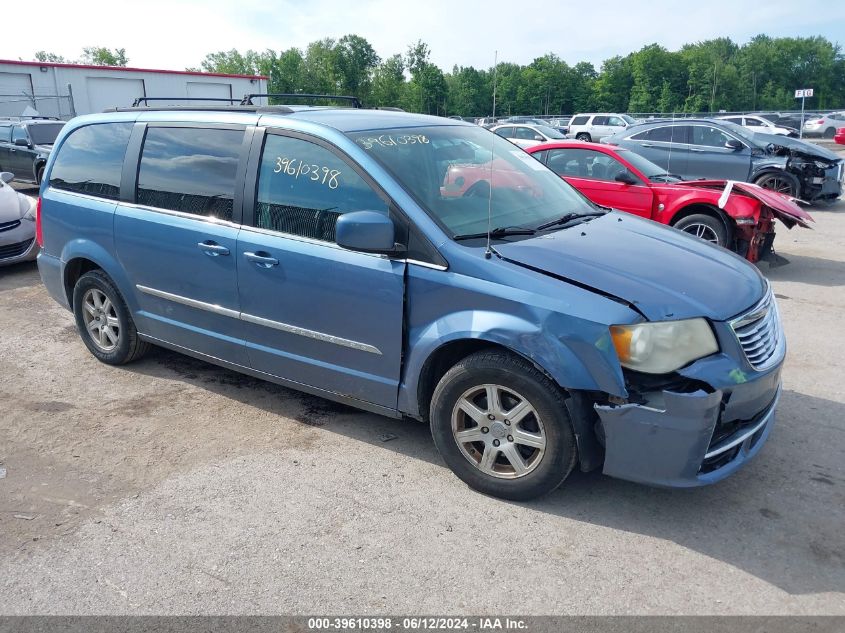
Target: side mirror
537	137
7	176
366	231
733	144
21	142
626	177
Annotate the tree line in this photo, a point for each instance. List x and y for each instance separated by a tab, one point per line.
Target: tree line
706	76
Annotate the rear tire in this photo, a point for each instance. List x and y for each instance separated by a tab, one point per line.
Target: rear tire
583	136
830	132
104	321
519	458
704	227
39	174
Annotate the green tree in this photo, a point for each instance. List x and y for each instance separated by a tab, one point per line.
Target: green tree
355	60
102	56
389	82
44	56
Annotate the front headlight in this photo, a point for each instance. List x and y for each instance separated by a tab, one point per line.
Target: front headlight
658	348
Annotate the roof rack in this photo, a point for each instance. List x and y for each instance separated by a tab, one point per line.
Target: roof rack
147	100
28	117
247	100
261	109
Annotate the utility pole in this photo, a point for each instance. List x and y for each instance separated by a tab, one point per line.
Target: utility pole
495	68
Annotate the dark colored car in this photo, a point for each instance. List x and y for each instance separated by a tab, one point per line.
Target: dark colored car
711	149
25	146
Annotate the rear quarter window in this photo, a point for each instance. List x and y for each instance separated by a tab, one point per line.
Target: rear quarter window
579	120
90	160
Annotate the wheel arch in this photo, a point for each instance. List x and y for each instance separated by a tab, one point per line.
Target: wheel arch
80	257
705	208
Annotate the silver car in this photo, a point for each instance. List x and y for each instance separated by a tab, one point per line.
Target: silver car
825	126
17	224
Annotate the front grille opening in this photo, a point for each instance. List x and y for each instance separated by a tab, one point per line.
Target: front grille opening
759	332
14	250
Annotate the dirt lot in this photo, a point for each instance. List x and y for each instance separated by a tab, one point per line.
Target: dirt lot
172	486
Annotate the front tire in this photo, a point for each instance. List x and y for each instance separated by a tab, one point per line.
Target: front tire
104	321
502	426
704	227
781	182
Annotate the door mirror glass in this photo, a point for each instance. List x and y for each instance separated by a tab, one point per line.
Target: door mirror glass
21	142
733	144
366	231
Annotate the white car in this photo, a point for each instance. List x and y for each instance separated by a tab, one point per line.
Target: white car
17	224
825	126
759	124
526	135
596	126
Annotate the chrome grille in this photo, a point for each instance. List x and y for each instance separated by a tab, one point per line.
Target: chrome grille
759	333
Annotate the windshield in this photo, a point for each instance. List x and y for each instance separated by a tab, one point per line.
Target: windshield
449	170
742	132
549	132
648	169
629	120
44	134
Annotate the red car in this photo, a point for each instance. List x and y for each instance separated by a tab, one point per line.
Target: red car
737	215
839	137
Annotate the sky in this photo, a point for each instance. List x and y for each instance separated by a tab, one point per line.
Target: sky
178	34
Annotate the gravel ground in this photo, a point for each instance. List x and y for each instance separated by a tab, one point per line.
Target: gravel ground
174	487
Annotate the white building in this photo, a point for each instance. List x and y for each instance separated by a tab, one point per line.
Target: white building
66	90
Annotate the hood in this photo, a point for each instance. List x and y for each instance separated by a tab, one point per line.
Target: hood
797	146
662	272
783	207
13	205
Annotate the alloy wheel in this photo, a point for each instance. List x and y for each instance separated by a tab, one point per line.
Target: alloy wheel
777	183
702	231
100	318
498	431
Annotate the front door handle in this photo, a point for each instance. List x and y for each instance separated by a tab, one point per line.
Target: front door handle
646	145
212	249
261	259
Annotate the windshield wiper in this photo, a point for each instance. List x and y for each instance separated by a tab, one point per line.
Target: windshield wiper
568	218
495	233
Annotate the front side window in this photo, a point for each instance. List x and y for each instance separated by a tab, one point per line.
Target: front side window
460	174
90	160
526	133
585	163
615	121
303	188
191	170
709	136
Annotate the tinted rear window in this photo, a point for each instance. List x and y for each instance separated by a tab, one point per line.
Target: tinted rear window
579	120
91	159
45	133
190	170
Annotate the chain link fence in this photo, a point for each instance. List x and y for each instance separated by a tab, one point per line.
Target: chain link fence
25	104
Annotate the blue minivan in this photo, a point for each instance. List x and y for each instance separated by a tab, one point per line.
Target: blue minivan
326	249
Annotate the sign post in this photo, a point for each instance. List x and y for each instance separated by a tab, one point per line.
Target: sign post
803	94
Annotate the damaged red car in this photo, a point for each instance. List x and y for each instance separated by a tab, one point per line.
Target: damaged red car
736	215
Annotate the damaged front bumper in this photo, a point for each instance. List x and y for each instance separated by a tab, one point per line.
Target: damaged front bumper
677	442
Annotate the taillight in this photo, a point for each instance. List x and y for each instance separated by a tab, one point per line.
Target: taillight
39	237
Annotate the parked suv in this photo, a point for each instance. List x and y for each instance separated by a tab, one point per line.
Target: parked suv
526	135
25	146
595	127
326	250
